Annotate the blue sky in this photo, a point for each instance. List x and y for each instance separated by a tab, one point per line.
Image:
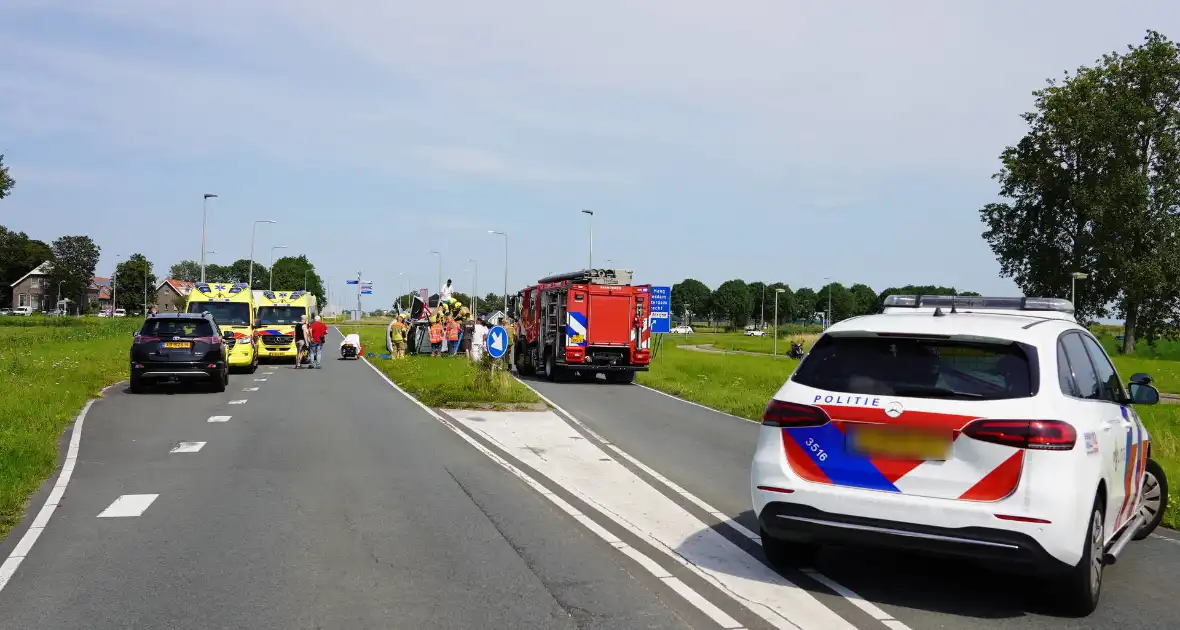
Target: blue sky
767	140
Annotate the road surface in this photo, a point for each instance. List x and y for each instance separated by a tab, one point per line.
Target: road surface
707	454
328	499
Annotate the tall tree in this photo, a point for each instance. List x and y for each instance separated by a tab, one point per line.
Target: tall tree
74	260
221	273
19	255
239	271
489	304
187	270
1094	186
6	181
732	301
135	283
841	301
804	305
864	299
297	272
690	295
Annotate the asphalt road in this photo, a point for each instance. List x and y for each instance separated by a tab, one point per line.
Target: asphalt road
708	454
327	500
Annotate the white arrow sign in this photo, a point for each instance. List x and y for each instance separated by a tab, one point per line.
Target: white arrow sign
497	342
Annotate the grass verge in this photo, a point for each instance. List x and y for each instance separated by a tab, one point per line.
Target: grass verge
742	384
446	382
47	372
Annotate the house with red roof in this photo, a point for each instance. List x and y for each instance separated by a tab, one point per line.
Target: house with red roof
172	294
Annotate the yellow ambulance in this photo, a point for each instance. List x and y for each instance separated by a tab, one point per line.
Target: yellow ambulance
232	305
276	314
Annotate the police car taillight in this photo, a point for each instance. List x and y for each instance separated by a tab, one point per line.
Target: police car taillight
1040	435
785	415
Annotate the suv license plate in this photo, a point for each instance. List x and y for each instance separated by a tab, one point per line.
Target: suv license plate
895	443
178	344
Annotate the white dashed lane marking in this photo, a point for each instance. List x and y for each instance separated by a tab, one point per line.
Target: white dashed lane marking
219	418
259	380
187	447
238	402
128	505
249	389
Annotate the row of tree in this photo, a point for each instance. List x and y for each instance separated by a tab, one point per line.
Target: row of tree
74	259
1093	187
739	303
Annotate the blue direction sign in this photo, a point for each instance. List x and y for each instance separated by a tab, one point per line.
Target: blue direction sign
352	282
497	341
661	309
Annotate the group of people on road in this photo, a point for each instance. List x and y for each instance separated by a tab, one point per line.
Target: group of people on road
309	342
452	327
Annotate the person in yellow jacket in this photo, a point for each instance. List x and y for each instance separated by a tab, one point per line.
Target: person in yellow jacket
397	335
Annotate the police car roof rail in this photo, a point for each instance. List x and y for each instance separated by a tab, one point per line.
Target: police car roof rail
956	302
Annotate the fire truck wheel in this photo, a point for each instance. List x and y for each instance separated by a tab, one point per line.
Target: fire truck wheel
552	372
524	365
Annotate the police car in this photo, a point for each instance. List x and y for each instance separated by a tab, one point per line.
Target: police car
989	428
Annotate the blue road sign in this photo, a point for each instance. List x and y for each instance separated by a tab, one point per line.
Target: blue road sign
352	282
661	309
497	341
366	292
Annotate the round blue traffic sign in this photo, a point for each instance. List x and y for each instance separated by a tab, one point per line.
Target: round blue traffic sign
497	341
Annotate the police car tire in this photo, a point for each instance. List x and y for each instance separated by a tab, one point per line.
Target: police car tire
1079	594
1154	471
787	554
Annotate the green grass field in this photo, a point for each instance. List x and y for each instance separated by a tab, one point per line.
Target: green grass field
742	384
49	368
443	382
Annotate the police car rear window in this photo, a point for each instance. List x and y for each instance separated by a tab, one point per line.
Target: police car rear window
917	368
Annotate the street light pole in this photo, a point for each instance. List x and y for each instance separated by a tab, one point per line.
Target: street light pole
828	315
474	286
305	272
590	213
762	317
272	266
145	286
204	221
505	235
439	285
59	283
253	232
115	286
776	292
1073	278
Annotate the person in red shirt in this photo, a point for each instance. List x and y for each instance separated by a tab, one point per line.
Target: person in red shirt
319	332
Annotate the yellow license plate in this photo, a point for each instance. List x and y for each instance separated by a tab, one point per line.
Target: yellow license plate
177	344
897	443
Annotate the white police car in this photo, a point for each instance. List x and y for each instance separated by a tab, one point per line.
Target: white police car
992	428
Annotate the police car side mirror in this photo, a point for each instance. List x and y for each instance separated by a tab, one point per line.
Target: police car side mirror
1143	394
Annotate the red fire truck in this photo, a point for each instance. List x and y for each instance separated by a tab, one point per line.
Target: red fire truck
588	322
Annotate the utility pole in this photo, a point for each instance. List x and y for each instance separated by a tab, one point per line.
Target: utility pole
505	235
762	317
590	213
1073	278
776	292
828	315
145	286
204	221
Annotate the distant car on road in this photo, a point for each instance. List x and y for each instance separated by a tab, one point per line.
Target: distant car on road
23	310
753	332
5	311
681	330
179	347
120	312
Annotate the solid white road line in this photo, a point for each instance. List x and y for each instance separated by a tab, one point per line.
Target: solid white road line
8	569
128	505
696	599
219	418
187	447
238	402
1167	538
848	594
544	442
689	402
249	389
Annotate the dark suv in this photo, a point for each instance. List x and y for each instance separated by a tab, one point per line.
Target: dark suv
178	347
